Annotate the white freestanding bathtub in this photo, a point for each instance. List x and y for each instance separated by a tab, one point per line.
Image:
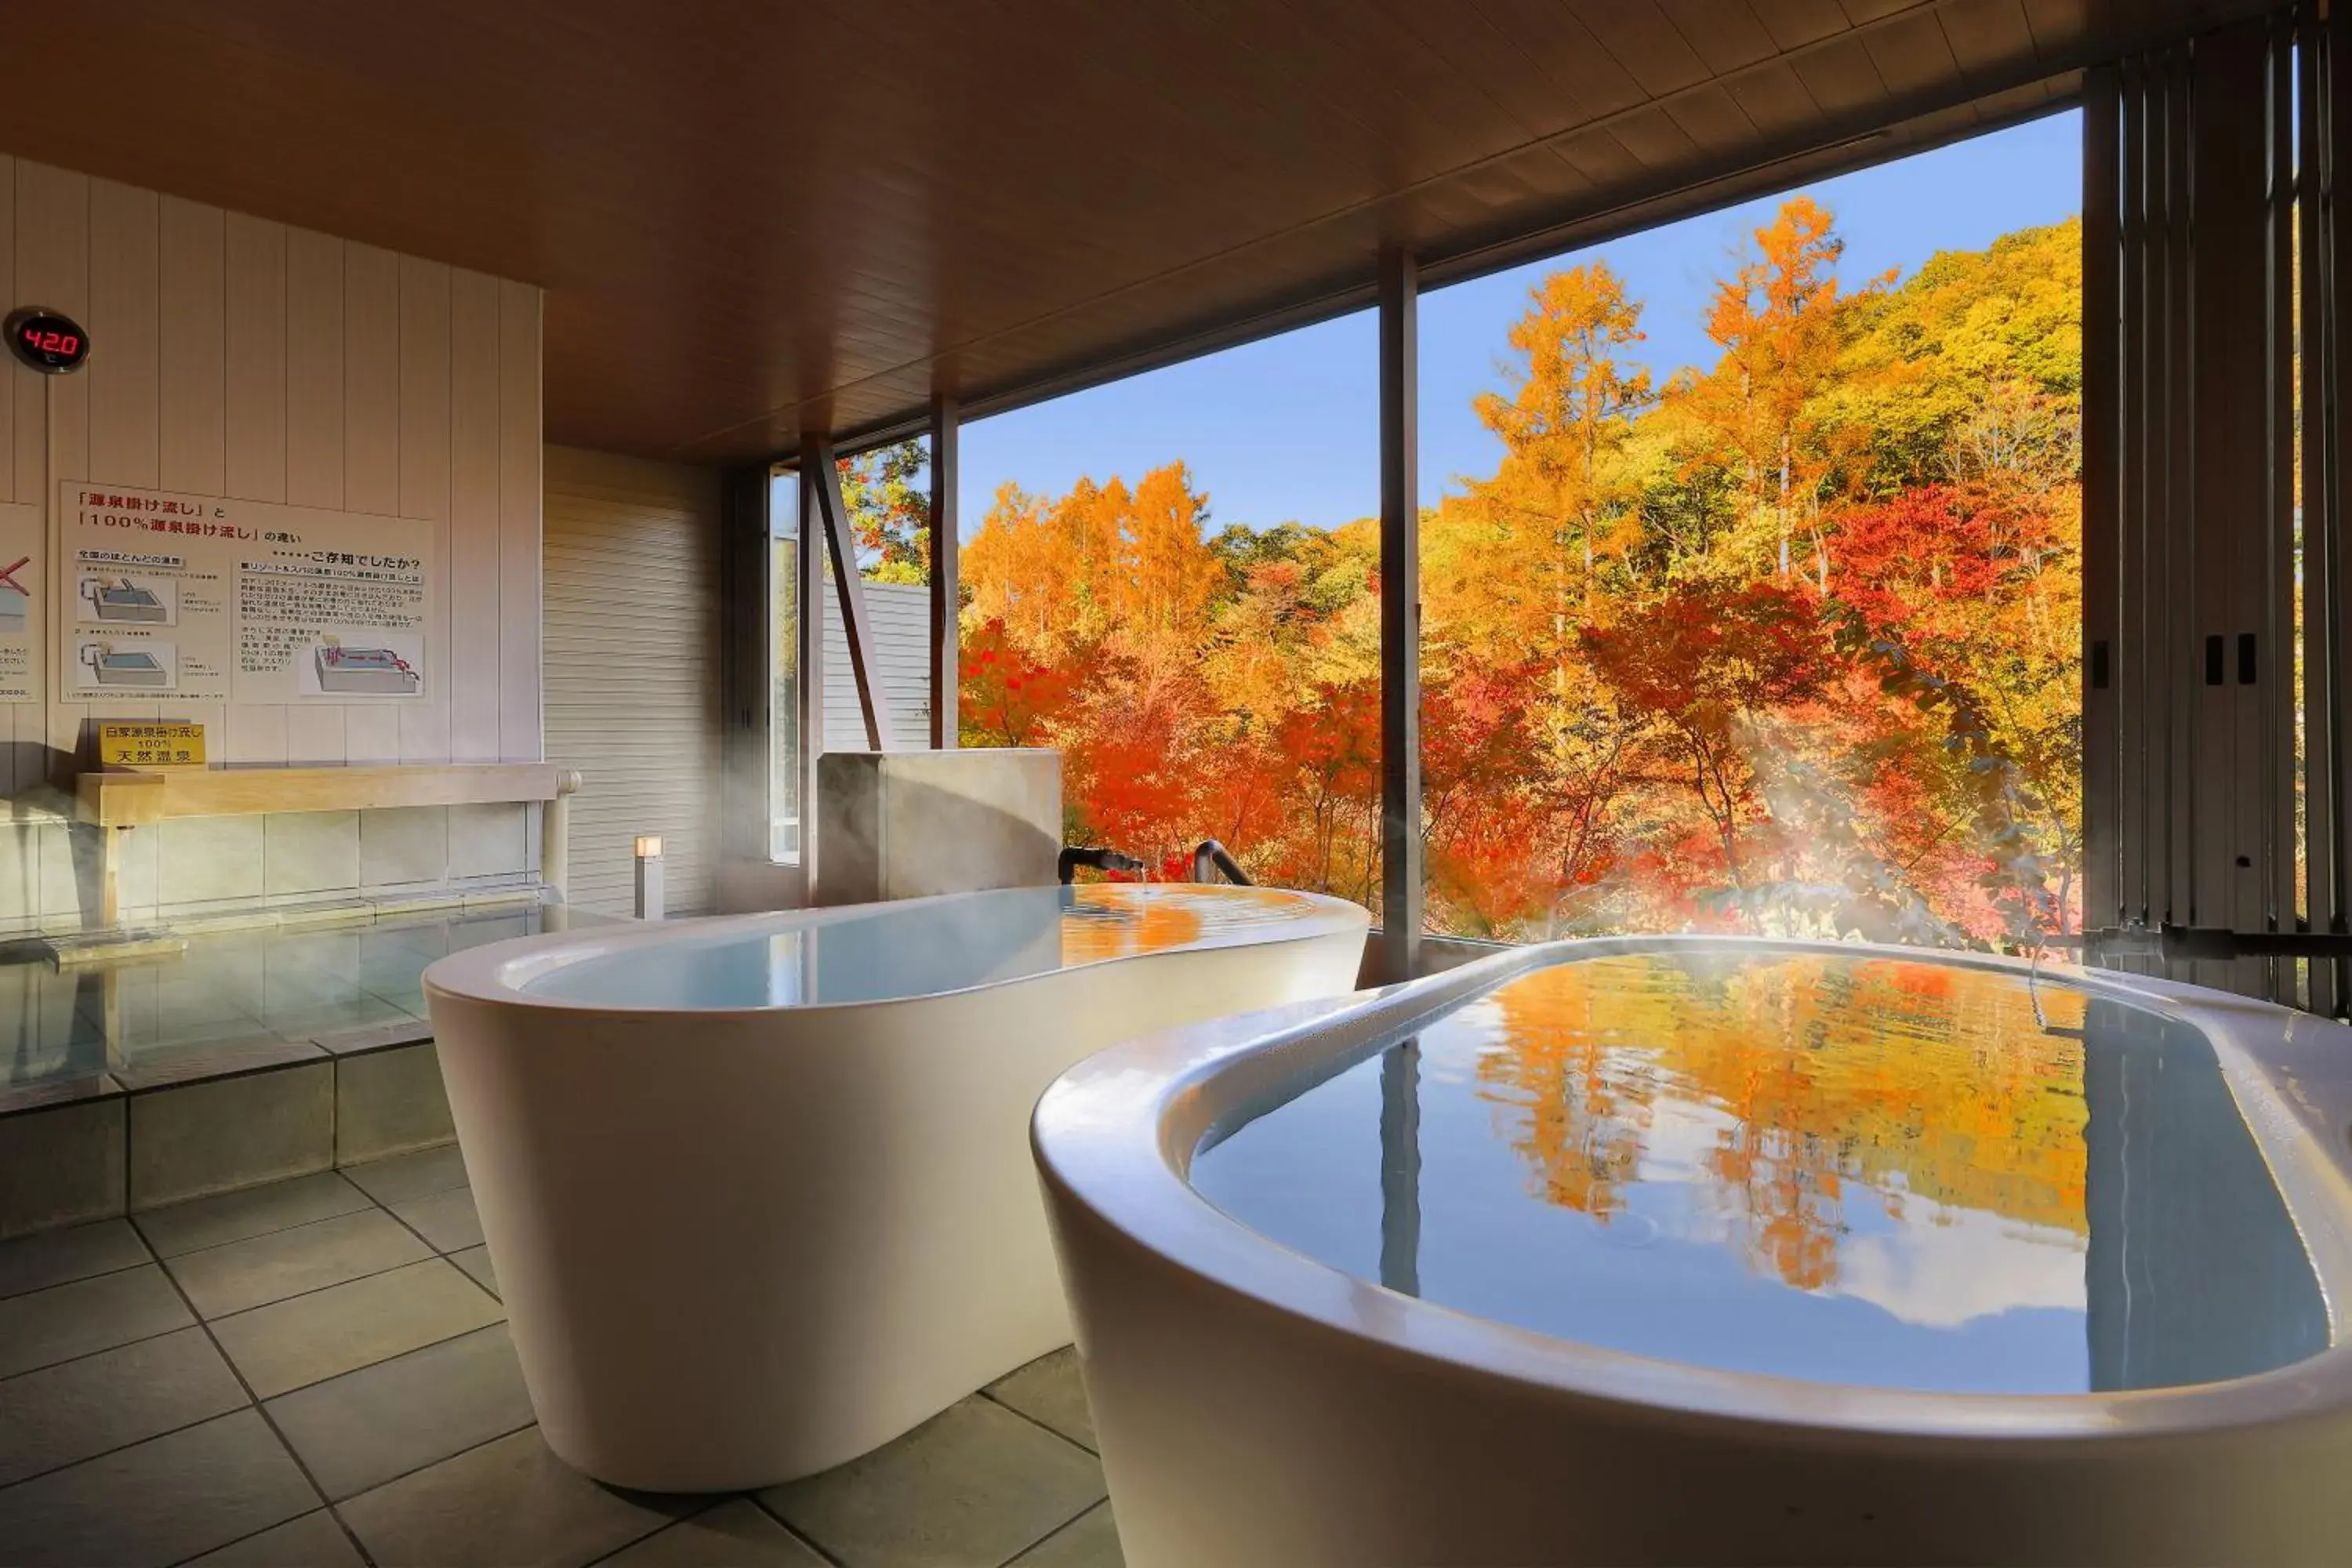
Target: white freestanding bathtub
1685	1250
756	1188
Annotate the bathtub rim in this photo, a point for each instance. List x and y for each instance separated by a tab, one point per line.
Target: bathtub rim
1115	1136
488	973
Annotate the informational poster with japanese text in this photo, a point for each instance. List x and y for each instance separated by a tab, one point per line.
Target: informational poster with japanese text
205	597
22	553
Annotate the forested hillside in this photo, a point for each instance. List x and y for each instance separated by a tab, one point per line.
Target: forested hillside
1787	642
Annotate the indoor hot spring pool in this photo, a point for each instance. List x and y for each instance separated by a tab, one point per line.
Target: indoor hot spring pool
1689	1248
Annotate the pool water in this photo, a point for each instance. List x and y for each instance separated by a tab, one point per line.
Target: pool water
918	948
1855	1170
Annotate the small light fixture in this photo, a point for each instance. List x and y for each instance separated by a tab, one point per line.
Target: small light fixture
650	876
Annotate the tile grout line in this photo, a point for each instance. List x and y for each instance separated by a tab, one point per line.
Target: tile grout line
105	1349
77	1279
399	1220
1041	1426
258	1234
318	1289
1067	1524
254	1404
150	1437
715	1500
805	1539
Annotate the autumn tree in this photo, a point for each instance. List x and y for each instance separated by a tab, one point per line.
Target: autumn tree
1698	665
885	494
1775	320
1565	428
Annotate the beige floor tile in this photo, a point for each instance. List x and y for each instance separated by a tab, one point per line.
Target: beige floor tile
736	1535
158	1501
406	1177
242	1275
288	1344
67	1320
233	1217
974	1484
476	1262
373	1425
505	1502
1091	1540
447	1219
313	1541
1049	1390
62	1415
59	1257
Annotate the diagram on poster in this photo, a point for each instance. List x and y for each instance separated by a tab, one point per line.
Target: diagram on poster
203	596
21	555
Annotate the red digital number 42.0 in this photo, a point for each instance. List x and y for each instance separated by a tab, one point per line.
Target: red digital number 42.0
51	342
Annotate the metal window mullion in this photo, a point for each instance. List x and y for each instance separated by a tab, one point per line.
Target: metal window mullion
2336	142
2135	655
2275	889
1401	845
2101	535
2322	883
2176	583
945	584
808	595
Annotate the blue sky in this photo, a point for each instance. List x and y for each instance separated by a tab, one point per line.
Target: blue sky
1287	428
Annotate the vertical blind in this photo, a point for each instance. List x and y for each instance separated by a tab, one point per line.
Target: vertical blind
2214	441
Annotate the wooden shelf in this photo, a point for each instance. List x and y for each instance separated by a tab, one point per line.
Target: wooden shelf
128	797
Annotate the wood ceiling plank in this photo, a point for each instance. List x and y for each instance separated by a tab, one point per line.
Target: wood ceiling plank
1842	78
1862	12
1652	135
1638	36
1713	120
1566	52
1774	99
1793	23
1480	54
1726	34
1986	34
837	206
1913	59
2060	26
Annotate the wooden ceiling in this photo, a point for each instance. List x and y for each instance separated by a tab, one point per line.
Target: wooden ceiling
754	218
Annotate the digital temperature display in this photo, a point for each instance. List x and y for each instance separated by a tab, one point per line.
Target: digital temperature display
47	341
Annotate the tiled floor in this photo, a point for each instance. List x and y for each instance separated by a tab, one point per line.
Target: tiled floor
318	1373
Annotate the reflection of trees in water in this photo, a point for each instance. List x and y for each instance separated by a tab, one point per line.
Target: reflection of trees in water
1909	1079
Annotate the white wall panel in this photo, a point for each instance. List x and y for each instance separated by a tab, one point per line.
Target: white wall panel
632	668
235	356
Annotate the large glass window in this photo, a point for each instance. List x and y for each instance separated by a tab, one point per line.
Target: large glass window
886	491
1171	580
1750	575
1750	584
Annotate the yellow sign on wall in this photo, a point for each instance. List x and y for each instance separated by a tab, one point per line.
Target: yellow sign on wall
151	745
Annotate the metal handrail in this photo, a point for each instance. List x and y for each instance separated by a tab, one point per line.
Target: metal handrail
1211	858
1076	855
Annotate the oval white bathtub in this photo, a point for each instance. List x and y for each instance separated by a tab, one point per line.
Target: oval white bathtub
756	1188
1681	1250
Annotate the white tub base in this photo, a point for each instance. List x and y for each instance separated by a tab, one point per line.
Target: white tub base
738	1247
